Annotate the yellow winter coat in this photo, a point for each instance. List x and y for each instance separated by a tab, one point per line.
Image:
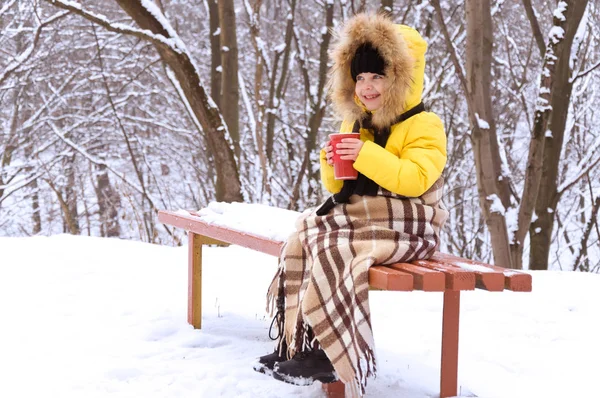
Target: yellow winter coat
415	154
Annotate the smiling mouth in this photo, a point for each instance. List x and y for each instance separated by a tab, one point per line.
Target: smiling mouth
370	97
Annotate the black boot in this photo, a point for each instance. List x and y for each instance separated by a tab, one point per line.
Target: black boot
305	368
266	363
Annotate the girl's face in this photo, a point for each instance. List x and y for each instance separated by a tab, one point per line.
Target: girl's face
369	89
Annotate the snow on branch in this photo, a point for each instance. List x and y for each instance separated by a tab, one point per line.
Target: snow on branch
22	182
585	165
172	42
7	6
24	56
496	205
94	159
586	72
559	12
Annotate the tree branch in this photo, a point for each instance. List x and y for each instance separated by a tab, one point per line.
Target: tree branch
584	73
450	46
157	39
535	26
28	52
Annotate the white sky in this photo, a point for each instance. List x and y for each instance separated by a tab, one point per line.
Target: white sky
91	317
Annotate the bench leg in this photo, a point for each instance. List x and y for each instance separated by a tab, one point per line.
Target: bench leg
195	280
450	321
334	390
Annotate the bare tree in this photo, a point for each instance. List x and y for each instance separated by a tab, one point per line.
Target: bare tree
230	97
93	131
549	131
494	184
174	53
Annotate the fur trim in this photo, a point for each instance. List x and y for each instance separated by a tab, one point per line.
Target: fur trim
381	32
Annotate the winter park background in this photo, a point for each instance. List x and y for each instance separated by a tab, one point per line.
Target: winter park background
110	111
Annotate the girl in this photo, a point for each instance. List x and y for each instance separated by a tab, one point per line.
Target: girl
391	213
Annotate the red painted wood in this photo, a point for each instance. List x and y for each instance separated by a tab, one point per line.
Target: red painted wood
456	278
385	278
334	390
194	316
513	280
194	224
449	367
425	279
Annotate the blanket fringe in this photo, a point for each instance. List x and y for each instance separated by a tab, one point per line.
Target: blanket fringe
273	292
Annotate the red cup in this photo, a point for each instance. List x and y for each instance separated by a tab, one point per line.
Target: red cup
343	169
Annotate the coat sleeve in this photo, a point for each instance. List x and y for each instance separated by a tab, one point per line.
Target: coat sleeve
413	159
329	182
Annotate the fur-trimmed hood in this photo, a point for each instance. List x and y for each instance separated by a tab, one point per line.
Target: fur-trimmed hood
403	50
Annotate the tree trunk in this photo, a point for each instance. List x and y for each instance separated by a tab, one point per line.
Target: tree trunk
259	68
71	196
540	231
36	217
215	52
230	96
493	188
10	146
108	204
535	26
582	254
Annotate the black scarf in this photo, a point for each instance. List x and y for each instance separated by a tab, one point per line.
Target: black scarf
364	185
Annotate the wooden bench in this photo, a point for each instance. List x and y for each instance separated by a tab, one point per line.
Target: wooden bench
442	273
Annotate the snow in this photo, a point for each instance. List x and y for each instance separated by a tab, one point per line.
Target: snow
157	13
258	219
512	221
556	34
475	267
174	42
559	11
496	205
542	104
481	123
94	317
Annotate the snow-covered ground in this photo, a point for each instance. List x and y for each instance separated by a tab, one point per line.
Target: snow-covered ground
90	317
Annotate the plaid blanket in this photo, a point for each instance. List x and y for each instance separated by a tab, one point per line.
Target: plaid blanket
323	273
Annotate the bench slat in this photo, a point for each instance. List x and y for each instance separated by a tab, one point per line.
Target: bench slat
513	280
385	278
425	279
193	224
491	280
456	278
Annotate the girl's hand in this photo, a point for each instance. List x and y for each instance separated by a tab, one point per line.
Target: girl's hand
349	148
328	153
